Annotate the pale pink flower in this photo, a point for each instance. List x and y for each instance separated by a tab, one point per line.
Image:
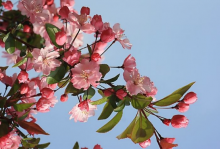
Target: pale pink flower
69	3
72	57
129	63
11	58
136	84
97	146
47	93
85	73
99	47
44	104
82	111
10	141
179	121
119	35
71	33
145	143
45	60
190	98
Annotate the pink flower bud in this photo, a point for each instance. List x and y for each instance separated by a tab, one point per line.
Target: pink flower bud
121	94
72	57
22	76
167	143
145	143
47	93
107	35
64	12
85	10
97	22
27	28
190	98
108	92
97	146
49	2
60	37
64	98
55	18
179	121
8	5
95	57
182	107
166	121
24	88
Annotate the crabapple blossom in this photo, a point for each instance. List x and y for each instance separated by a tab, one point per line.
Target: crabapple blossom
72	57
121	94
97	146
179	121
97	22
166	143
27	29
64	98
64	12
47	93
190	98
10	140
24	88
11	58
60	37
22	76
129	63
44	104
182	107
95	57
85	73
82	111
107	35
7	5
145	143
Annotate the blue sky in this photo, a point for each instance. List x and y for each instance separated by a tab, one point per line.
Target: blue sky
174	43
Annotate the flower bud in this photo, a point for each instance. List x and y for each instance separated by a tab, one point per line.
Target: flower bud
121	94
107	35
47	93
97	146
97	22
179	121
24	88
95	57
60	37
145	143
85	10
166	121
8	5
55	18
64	98
182	107
64	12
22	76
27	29
190	98
108	92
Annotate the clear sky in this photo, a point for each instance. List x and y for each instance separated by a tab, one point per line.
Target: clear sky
175	42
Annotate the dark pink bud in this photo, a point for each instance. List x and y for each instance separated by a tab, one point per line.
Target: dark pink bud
190	98
85	10
166	121
107	35
121	94
97	22
49	2
24	88
64	98
97	146
179	121
95	57
27	29
55	18
108	92
47	93
145	143
60	37
64	12
182	107
22	76
8	5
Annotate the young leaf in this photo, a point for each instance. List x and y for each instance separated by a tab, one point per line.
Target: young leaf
111	124
14	88
63	83
101	93
71	89
174	97
89	93
20	62
76	146
45	145
120	106
22	106
57	75
100	101
140	101
51	31
32	127
104	69
106	112
110	80
9	43
21	118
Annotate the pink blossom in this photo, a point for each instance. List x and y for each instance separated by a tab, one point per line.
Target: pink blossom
182	107
95	57
136	84
8	5
22	76
24	88
28	65
9	80
10	141
44	104
121	94
129	63
85	73
107	35
85	11
97	146
49	2
190	98
69	3
64	98
97	22
145	143
27	29
60	37
99	47
179	121
45	61
71	33
82	111
64	12
166	143
47	93
72	57
11	58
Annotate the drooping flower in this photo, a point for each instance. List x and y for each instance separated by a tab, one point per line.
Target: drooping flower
166	143
190	98
85	73
179	121
82	111
129	63
10	140
145	143
64	98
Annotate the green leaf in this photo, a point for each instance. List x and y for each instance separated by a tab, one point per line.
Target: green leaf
111	124
174	97
89	49
120	106
22	106
20	62
4	68
21	118
140	101
100	101
127	132
45	145
2	101
104	69
89	93
106	112
51	31
32	127
71	89
57	75
76	146
4	127
101	93
9	43
63	83
142	130
112	100
14	88
110	80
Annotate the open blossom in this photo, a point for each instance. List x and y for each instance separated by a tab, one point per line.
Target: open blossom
82	111
72	57
190	98
167	143
44	104
60	37
179	121
145	143
129	63
10	141
45	60
136	84
85	73
11	58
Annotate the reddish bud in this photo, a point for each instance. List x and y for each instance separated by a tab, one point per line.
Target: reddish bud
55	18
108	92
167	143
107	35
97	22
22	76
60	37
145	143
97	146
182	107
85	10
47	93
64	12
166	121
49	2
121	94
64	98
24	88
27	29
8	5
95	57
179	121
190	98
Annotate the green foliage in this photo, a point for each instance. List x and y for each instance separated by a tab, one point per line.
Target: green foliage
51	31
22	61
140	101
32	127
76	146
9	43
14	89
110	80
120	106
106	112
22	106
104	69
57	75
89	93
4	127
71	89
